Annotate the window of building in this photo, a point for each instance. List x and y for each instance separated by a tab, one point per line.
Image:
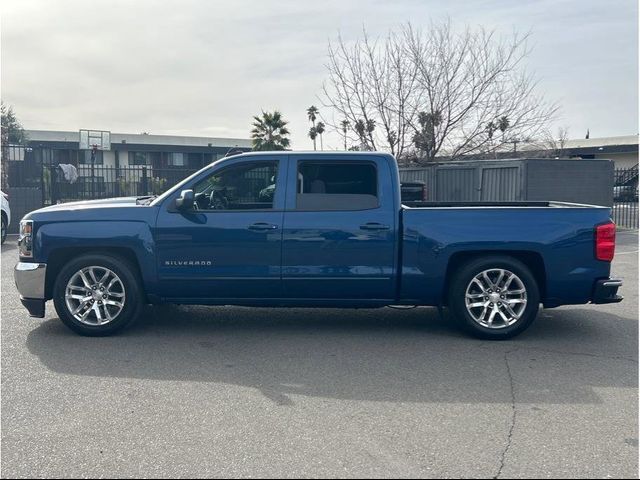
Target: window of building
63	156
16	153
84	157
176	159
194	160
247	186
139	158
337	186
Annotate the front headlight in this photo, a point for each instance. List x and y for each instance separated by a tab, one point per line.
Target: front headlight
25	241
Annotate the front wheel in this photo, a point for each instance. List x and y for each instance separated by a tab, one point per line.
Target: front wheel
97	295
494	298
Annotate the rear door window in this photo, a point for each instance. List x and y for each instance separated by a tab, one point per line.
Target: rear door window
336	186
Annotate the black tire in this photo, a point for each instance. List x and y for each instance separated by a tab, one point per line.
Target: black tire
465	275
133	303
4	228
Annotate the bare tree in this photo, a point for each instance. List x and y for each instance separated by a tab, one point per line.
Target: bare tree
437	92
370	84
549	145
559	144
474	79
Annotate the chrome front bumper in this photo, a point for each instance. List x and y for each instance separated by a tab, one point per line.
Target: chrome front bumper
30	280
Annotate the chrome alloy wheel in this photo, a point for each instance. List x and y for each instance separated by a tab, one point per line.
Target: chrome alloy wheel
95	295
496	298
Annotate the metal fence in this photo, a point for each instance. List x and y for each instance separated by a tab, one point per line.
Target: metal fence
100	181
625	197
22	200
33	185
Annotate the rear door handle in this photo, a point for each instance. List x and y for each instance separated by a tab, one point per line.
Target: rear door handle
261	226
374	226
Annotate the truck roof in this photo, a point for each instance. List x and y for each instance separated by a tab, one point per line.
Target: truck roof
313	152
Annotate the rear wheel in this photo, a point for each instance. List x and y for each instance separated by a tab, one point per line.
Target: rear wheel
494	298
97	295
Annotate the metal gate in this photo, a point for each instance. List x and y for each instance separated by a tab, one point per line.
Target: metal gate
101	181
625	197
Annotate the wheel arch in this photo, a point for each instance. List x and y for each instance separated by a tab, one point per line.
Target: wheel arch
59	257
533	260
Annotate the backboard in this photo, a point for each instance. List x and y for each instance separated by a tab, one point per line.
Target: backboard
100	138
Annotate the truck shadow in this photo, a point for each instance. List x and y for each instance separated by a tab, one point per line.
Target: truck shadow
373	355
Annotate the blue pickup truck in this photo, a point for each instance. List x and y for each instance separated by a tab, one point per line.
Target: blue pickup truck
286	229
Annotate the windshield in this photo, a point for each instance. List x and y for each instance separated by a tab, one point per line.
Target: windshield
179	185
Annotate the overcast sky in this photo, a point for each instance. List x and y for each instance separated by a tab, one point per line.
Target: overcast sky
192	67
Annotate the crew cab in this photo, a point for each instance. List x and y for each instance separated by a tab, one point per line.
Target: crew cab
287	229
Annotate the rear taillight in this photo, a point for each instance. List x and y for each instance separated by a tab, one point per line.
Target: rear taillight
605	241
424	193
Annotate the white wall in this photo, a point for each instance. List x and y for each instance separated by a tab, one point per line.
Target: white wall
109	158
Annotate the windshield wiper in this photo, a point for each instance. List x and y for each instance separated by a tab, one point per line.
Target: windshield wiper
146	200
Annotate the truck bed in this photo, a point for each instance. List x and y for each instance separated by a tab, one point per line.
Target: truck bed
420	204
556	236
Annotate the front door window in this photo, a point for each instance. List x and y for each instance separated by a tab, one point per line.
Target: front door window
246	186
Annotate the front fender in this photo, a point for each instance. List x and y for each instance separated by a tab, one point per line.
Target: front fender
135	236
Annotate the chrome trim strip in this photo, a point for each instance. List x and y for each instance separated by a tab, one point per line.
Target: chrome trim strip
29	278
612	283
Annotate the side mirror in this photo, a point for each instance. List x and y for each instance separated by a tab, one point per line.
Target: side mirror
186	200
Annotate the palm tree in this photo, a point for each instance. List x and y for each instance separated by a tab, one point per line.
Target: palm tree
345	127
503	124
313	133
320	127
361	128
371	126
270	132
491	128
425	138
364	130
312	114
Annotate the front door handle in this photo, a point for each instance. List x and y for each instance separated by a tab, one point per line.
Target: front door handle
374	226
261	226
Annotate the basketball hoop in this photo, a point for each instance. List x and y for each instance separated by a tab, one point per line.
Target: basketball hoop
94	140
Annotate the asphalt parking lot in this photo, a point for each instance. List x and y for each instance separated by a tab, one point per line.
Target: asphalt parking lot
228	391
